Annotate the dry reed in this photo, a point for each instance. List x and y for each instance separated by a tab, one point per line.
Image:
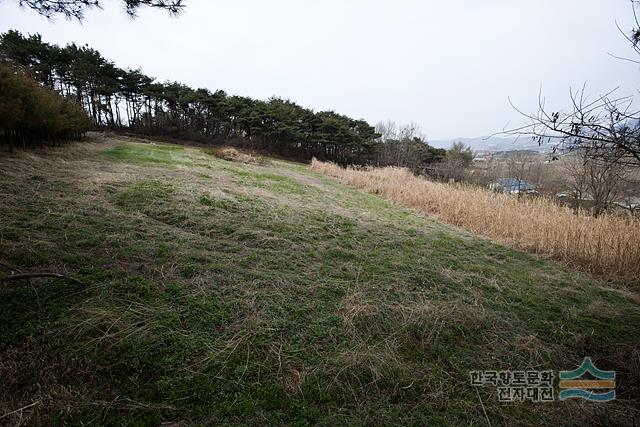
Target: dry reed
608	245
233	155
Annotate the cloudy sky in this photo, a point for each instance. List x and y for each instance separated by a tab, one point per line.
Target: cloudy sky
449	66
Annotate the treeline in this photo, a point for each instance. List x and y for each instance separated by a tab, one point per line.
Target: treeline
123	98
31	114
119	98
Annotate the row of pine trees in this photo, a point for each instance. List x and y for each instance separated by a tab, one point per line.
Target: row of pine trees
122	98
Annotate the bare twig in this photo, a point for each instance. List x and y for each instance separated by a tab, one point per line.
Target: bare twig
10	267
606	126
622	58
26	276
483	409
20	409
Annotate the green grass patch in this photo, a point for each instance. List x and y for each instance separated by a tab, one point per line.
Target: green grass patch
210	304
279	184
143	194
147	153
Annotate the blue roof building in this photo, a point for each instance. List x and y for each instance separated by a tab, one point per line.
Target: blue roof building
513	186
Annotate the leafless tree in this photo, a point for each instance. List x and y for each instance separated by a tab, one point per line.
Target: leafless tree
629	197
455	163
596	180
518	165
605	126
575	167
387	130
400	145
602	126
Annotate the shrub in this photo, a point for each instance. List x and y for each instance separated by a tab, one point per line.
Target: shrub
32	114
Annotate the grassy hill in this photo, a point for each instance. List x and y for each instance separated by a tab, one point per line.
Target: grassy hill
219	292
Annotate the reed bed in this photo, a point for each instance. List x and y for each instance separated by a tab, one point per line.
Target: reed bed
608	245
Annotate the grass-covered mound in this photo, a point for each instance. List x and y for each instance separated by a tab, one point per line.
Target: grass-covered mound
220	292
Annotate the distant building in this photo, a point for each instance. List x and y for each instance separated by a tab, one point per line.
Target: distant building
630	204
574	195
513	186
482	156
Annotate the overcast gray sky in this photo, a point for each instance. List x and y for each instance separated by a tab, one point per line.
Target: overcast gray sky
449	66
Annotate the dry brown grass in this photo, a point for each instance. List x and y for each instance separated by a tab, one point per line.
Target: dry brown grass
607	245
234	155
50	386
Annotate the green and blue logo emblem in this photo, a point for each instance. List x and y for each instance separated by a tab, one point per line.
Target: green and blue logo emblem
588	382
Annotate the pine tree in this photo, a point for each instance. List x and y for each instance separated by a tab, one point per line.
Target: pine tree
75	9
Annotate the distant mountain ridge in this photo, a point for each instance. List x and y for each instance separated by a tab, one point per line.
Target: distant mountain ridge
494	144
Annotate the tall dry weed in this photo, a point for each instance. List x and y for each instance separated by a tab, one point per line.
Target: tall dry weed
608	245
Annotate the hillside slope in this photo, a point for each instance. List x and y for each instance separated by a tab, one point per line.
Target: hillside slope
219	292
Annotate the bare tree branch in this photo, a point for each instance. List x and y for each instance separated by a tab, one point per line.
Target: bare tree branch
10	267
26	276
606	127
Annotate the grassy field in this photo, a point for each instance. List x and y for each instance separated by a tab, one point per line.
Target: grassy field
224	293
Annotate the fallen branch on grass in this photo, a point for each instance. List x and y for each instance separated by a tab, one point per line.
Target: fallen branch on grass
26	276
21	409
10	267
